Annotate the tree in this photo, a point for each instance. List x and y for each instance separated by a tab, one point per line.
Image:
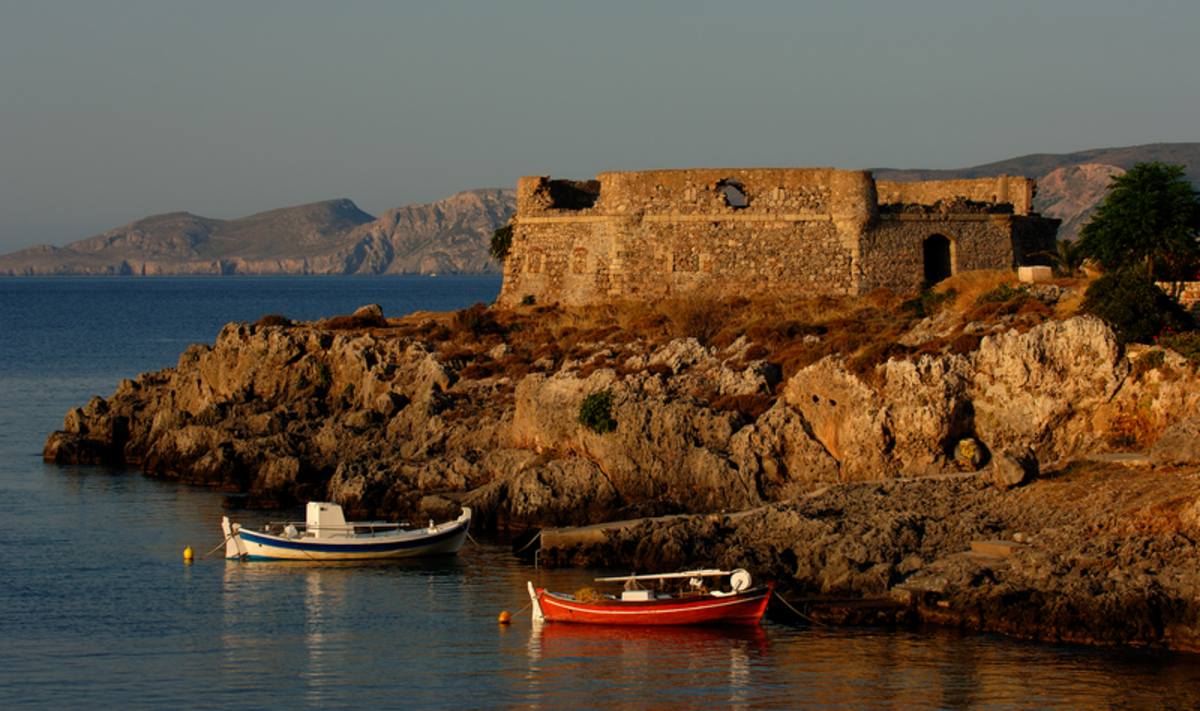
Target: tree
1065	257
1130	301
1151	216
501	243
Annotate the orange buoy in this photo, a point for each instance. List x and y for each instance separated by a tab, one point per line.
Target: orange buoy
505	618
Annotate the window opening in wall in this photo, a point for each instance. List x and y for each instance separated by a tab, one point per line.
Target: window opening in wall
573	194
937	259
735	196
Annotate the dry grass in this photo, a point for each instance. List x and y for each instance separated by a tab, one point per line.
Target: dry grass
790	331
969	286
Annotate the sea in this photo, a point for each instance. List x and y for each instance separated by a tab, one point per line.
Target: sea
98	608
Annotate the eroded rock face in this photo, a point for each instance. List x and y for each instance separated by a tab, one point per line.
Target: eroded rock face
1041	387
1106	558
849	484
379	424
1058	389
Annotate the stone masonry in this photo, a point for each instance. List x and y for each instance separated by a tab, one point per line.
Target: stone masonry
802	231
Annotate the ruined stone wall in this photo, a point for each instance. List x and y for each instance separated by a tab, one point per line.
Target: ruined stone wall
810	231
1003	190
896	256
1031	235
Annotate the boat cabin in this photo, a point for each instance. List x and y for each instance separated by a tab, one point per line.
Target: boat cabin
325	520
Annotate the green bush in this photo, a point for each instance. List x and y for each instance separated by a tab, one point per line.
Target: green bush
928	302
1134	306
1186	344
1002	294
595	412
501	243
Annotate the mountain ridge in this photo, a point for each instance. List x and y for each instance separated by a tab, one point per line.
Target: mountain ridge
327	237
452	236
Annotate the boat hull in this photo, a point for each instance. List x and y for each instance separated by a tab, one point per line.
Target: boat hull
447	539
744	608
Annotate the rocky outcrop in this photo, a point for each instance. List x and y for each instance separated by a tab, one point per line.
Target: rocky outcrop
1106	554
379	422
332	237
853	479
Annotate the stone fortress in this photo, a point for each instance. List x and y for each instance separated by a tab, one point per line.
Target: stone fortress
801	231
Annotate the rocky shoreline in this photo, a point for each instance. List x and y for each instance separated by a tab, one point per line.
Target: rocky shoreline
904	549
851	478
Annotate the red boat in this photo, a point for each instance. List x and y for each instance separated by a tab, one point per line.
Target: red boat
638	605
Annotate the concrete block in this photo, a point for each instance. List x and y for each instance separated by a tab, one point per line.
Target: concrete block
1031	275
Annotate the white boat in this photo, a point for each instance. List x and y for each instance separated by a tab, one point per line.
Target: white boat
325	535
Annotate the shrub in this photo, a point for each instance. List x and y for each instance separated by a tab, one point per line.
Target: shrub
697	316
1186	344
501	243
273	320
477	320
754	352
1134	306
928	302
751	405
964	343
356	322
1001	294
1150	360
528	300
1005	300
866	359
324	377
595	412
480	371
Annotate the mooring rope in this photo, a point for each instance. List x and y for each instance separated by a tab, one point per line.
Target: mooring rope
799	614
214	550
533	540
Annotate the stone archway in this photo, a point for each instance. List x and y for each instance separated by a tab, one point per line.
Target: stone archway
938	264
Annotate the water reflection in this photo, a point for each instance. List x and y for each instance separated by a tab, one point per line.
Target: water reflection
654	666
318	626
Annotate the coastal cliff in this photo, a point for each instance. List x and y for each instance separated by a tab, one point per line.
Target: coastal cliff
835	464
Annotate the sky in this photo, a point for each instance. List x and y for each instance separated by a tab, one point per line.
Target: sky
114	110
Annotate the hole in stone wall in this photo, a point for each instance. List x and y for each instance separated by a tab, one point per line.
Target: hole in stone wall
735	196
573	194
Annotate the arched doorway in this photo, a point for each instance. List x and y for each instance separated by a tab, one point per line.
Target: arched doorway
937	259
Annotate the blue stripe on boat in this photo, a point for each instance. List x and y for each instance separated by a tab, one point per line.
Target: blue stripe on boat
348	545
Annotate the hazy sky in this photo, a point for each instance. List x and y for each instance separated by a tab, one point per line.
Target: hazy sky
114	110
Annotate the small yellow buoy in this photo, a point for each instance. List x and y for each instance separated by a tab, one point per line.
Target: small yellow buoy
505	618
188	555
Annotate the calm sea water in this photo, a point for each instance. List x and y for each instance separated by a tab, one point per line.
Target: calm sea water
98	610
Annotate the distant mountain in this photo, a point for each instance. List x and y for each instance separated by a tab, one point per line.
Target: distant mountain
452	235
333	237
1070	185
